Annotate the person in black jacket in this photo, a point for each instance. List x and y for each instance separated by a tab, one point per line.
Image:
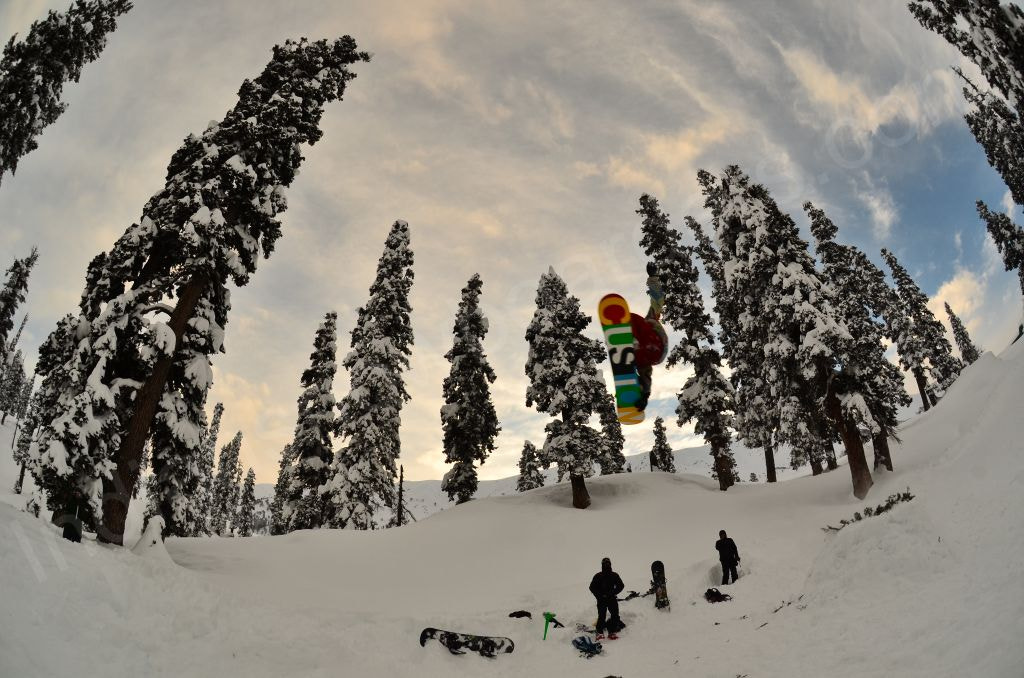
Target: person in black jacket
730	557
606	586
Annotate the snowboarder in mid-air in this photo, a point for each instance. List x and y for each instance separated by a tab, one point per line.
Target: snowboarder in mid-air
649	336
729	555
606	586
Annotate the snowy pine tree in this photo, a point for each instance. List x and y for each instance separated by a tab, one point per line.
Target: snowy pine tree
225	487
33	71
278	521
863	301
247	506
200	504
706	397
991	34
945	367
12	381
13	294
311	448
530	464
13	345
362	477
565	382
968	351
215	216
757	417
790	341
662	458
468	418
611	458
402	514
24	429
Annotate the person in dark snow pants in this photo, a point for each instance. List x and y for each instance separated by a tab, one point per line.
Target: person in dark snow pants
606	586
729	555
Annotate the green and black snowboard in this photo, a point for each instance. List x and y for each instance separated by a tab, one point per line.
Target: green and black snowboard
459	643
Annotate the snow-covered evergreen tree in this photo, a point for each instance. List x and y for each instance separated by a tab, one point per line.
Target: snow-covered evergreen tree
362	477
991	34
565	382
988	32
968	351
13	345
12	381
1009	239
662	458
200	504
945	367
225	487
790	341
24	429
13	294
864	300
706	397
401	515
312	448
759	425
611	458
209	225
247	506
468	418
530	464
278	521
33	71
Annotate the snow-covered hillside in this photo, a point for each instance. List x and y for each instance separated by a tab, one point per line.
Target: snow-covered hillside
929	589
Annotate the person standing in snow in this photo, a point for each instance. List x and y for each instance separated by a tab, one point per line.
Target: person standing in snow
729	555
606	586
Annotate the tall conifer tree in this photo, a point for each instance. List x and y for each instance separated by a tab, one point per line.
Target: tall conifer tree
968	351
362	477
564	382
247	506
33	71
611	459
225	488
944	366
311	448
468	418
215	216
863	300
662	458
13	295
790	340
706	397
530	464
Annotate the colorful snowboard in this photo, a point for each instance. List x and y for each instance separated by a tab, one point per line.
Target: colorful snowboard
458	643
613	313
659	585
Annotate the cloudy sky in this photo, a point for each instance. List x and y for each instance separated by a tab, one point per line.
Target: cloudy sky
512	137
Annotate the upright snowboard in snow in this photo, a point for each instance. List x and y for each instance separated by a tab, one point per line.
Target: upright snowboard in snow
613	313
659	585
458	643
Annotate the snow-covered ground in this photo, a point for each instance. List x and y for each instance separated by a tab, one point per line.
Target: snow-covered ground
929	589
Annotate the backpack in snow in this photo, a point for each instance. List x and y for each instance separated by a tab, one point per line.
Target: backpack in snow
716	596
586	646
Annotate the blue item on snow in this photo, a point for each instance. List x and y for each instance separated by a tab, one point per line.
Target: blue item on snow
586	646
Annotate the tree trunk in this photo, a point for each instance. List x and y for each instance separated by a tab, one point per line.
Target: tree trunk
880	442
859	471
21	480
580	496
722	469
830	457
118	490
927	399
4	419
814	457
769	462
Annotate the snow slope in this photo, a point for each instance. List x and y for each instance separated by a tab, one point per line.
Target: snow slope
930	589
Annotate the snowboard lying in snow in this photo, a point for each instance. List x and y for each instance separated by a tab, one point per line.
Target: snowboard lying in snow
458	643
